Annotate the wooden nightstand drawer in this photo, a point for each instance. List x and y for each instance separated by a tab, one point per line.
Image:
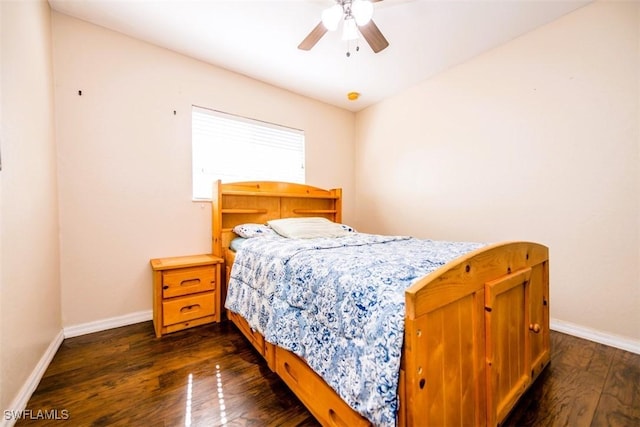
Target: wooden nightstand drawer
186	292
188	308
185	281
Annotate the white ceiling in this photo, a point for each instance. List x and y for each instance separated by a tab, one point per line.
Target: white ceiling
259	38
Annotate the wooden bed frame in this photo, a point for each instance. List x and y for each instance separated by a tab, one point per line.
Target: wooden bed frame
476	330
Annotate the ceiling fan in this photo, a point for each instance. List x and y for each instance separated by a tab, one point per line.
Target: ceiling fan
356	17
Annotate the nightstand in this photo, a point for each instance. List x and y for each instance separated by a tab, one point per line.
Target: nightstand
186	292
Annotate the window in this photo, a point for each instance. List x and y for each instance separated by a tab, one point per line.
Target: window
233	148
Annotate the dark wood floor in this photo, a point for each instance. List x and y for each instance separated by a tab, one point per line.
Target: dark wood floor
210	376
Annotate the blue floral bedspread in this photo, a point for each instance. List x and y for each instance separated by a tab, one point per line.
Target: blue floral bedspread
338	304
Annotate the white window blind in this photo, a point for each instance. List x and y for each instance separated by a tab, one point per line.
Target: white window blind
233	148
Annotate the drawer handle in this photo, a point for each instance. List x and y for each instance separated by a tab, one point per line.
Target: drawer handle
534	327
335	420
189	308
287	368
190	282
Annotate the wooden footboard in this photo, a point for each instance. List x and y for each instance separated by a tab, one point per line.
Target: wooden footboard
476	335
476	330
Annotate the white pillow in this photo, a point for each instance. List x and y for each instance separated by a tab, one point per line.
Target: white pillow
307	228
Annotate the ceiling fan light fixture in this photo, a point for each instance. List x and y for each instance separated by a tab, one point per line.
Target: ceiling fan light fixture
362	11
331	17
357	22
349	29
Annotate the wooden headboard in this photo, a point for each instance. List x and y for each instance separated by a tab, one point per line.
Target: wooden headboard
258	202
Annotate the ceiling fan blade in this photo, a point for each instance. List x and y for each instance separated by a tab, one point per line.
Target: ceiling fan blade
313	37
373	36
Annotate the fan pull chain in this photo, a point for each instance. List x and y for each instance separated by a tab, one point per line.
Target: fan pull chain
349	49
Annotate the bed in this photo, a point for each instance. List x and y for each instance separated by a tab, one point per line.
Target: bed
475	329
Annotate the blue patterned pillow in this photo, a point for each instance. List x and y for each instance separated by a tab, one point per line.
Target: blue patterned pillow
348	228
253	230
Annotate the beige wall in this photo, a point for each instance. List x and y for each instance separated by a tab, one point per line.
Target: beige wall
2	36
535	140
125	165
29	263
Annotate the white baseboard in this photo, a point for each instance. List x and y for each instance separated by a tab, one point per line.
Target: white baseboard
611	340
19	403
110	323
